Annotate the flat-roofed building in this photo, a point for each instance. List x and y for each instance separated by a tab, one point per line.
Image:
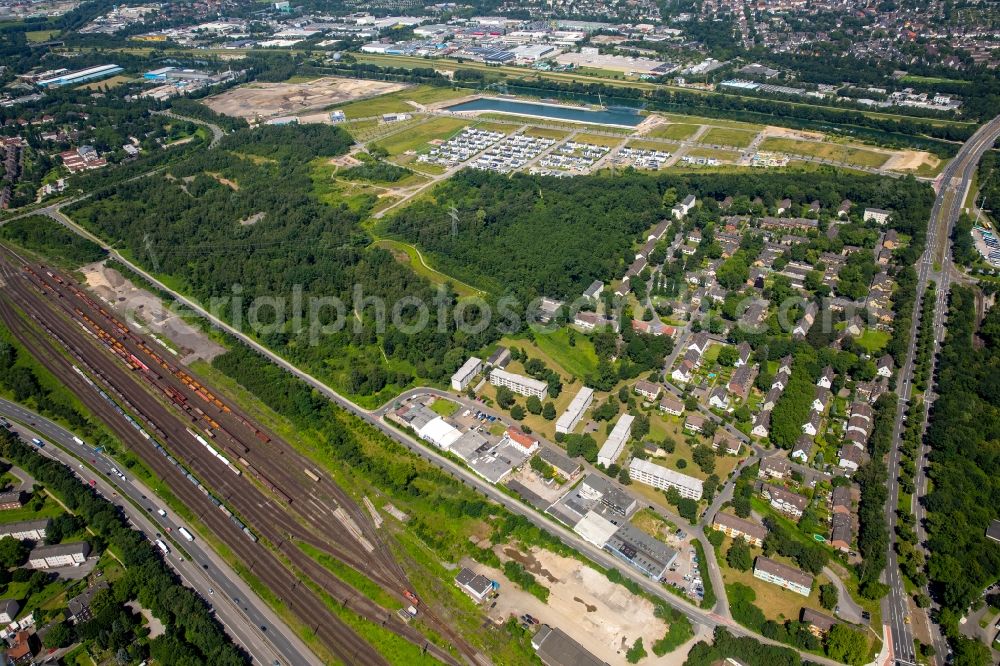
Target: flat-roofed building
782	575
736	527
464	375
555	648
440	433
518	383
60	555
648	555
656	476
595	528
569	419
598	488
615	443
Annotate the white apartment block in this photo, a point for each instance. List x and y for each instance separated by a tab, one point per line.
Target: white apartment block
518	383
782	575
662	478
571	417
464	375
615	443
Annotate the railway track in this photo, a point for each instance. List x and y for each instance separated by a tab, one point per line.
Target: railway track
287	506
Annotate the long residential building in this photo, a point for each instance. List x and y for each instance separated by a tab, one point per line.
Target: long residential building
734	526
581	401
518	383
464	375
615	443
662	478
60	555
26	529
782	575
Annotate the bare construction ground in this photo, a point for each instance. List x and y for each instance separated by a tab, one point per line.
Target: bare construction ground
141	307
264	100
604	617
911	160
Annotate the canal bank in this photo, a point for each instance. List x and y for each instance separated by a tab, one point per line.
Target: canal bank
614	117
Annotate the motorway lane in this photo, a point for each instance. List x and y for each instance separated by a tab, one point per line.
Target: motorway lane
955	183
236	606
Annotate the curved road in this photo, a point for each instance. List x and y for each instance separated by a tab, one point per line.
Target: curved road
239	609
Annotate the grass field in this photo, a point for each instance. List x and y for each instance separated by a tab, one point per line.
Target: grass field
727	136
661	426
546	133
578	360
915	78
873	340
36	36
417	138
407	254
443	407
677	131
713	153
398	101
777	603
107	84
598	140
652	145
828	151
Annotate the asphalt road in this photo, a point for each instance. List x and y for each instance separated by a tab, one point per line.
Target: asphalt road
935	264
236	606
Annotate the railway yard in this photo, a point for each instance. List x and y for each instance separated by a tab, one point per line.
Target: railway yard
253	491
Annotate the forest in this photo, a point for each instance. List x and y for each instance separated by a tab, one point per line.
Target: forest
963	436
590	225
245	216
46	236
587	227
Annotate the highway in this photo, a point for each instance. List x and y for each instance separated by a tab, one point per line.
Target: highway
934	264
236	606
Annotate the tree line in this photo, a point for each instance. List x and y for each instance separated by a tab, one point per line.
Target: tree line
192	633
